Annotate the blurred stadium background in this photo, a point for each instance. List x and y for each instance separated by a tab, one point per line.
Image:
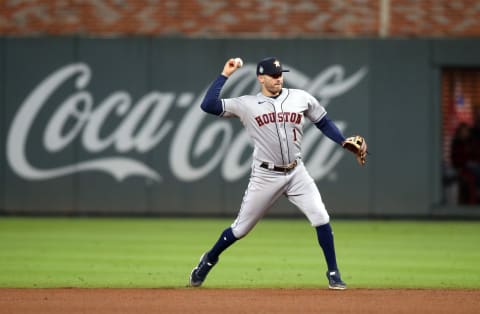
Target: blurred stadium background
99	103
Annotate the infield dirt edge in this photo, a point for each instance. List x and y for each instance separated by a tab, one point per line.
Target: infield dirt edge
238	300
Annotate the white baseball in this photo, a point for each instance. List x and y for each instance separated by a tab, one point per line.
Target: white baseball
239	62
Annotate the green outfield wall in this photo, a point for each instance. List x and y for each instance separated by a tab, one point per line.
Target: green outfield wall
113	126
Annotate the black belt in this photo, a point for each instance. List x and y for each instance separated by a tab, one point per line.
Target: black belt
286	168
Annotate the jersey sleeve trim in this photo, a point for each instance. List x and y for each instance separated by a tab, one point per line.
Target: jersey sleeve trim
223	108
321	117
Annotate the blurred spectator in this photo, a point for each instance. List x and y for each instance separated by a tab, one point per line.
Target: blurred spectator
462	157
474	163
475	134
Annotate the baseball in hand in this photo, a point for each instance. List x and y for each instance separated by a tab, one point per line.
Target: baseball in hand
239	62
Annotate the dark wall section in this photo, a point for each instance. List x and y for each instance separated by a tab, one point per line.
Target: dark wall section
113	126
401	126
2	123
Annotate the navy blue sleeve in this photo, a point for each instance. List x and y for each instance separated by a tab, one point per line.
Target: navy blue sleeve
330	130
211	102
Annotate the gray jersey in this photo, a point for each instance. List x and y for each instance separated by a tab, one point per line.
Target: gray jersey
275	124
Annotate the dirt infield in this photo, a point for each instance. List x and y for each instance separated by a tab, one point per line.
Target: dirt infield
205	300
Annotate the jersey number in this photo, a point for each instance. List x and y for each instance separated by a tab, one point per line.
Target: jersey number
294	135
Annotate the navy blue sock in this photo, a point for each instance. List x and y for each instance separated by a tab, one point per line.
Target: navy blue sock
226	239
325	239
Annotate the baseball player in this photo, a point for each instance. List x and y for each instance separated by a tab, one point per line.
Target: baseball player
274	119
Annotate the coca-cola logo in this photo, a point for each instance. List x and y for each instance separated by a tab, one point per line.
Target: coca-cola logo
144	125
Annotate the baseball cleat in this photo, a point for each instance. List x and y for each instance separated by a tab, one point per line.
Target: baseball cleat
199	273
334	280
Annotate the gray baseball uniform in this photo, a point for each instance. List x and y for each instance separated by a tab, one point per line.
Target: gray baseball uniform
276	127
274	119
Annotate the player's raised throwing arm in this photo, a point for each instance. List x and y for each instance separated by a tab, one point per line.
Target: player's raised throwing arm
211	102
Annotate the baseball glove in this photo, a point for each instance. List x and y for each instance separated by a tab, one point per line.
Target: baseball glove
358	146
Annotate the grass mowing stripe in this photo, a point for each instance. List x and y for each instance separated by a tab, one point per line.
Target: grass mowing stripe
414	254
74	252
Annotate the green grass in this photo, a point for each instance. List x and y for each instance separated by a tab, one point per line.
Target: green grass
74	252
